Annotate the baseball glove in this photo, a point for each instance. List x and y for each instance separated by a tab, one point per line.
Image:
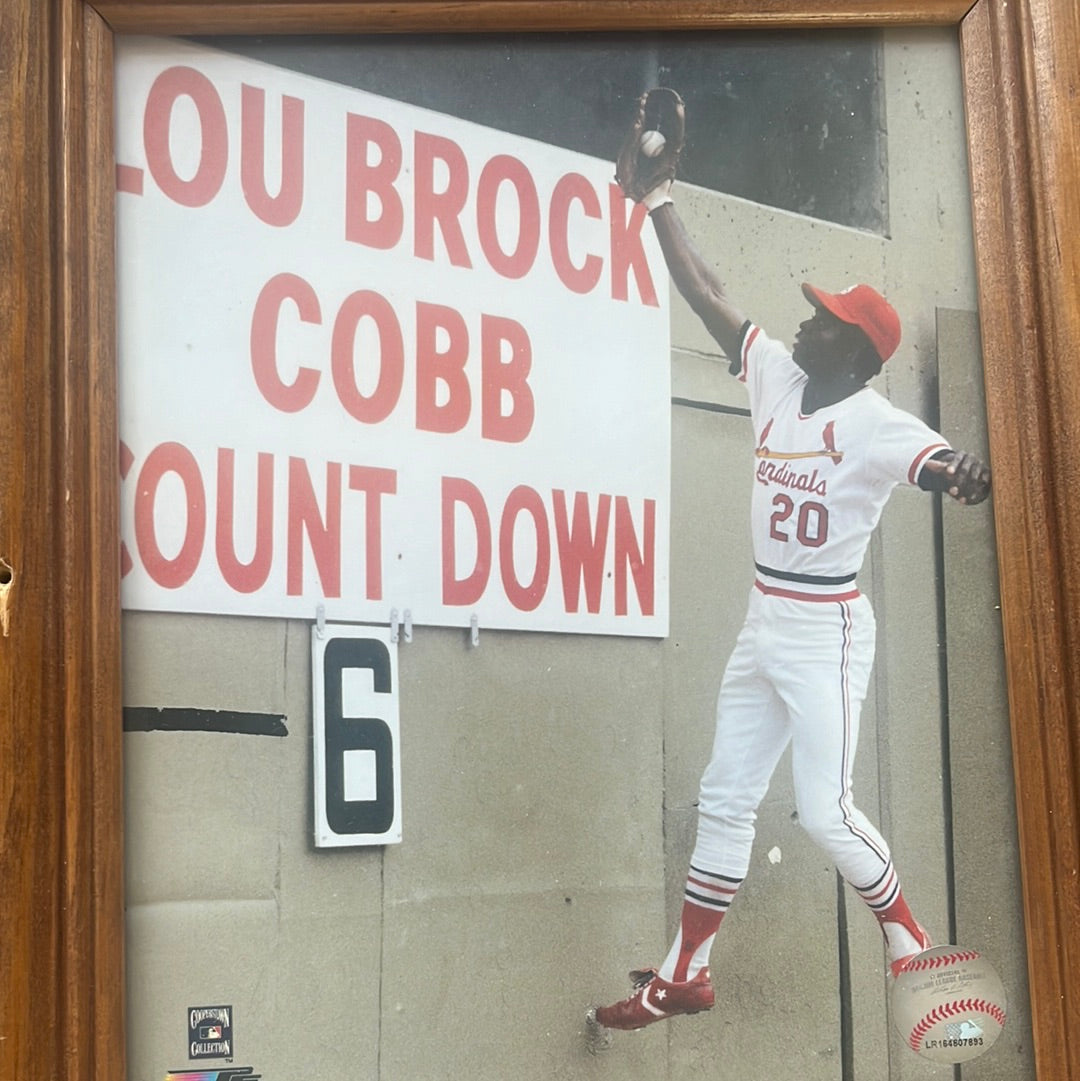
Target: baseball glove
637	171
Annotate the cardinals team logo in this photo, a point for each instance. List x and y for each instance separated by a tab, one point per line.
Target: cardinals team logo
828	447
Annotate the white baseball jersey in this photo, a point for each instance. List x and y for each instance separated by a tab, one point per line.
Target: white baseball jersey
822	480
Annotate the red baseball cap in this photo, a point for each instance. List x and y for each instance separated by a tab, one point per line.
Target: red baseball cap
864	307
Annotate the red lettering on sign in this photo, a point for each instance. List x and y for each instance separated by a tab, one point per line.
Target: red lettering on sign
582	548
251	576
254	520
170	458
127	460
312	524
369	409
444	396
445	206
573	188
283	208
443	367
526	597
499	170
374	483
170	85
468	590
525	548
505	379
640	560
364	179
627	252
288	397
129	178
323	534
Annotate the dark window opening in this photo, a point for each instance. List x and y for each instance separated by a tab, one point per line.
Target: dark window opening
793	121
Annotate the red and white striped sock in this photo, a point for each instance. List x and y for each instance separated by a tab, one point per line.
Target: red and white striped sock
903	933
705	902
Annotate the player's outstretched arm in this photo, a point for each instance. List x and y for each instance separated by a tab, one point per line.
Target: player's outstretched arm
958	474
697	281
646	167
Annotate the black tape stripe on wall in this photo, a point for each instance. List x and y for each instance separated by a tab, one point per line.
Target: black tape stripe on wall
174	719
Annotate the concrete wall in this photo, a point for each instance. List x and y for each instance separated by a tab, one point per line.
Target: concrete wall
549	781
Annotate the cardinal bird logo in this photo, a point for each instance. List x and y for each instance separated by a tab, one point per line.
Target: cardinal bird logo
828	447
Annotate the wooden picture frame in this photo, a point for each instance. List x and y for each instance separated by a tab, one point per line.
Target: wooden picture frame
61	814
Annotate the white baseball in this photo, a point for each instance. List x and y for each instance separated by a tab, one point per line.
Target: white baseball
651	143
948	1004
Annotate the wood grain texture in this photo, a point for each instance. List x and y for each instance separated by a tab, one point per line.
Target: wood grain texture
61	884
60	764
94	947
344	16
1026	198
32	688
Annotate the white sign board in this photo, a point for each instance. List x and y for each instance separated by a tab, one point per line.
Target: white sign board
357	736
374	357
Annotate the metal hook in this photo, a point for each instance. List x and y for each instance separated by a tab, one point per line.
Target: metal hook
397	633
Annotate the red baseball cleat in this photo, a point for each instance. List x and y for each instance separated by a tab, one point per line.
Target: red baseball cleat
655	999
924	943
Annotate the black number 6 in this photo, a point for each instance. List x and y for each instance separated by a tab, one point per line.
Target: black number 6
357	734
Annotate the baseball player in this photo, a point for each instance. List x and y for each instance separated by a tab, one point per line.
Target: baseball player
828	452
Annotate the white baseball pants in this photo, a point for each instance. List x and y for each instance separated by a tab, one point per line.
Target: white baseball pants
799	674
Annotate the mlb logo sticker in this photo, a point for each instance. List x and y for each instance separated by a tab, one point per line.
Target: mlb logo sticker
210	1032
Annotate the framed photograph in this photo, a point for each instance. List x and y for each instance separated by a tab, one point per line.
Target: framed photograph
66	525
